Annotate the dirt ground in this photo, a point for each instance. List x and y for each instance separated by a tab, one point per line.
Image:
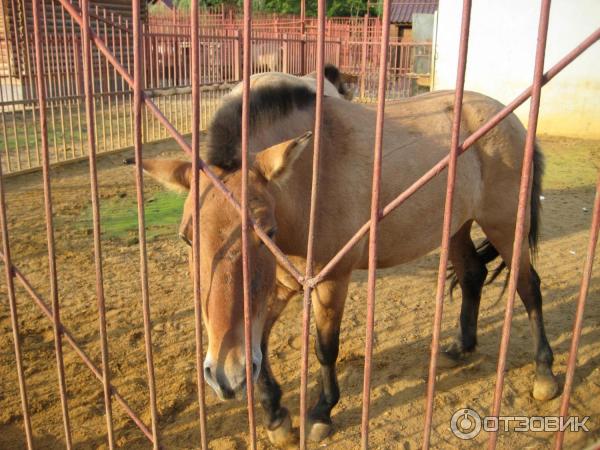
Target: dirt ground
404	316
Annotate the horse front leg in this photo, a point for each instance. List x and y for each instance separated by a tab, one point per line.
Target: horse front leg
328	304
279	424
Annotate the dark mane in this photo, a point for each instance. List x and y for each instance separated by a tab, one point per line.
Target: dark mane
267	103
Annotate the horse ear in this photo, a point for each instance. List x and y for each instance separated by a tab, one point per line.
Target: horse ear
172	173
274	161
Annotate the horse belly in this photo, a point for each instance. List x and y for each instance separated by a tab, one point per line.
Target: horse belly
415	227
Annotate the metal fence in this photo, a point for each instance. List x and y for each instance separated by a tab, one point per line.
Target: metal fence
167	73
83	20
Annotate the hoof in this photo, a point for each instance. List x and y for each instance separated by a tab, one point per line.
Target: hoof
545	387
282	435
319	431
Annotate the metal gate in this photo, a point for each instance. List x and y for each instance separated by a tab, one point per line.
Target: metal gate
309	279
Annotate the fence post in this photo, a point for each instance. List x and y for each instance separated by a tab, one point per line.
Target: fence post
363	64
285	53
303	54
238	55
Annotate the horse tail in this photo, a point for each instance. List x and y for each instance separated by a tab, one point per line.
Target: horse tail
487	252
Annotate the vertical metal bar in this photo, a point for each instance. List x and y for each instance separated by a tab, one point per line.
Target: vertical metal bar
31	87
138	84
122	82
446	230
19	75
12	92
77	81
100	86
91	129
247	66
108	83
14	320
375	217
59	81
114	86
4	134
238	55
51	86
363	64
308	288
195	56
578	324
524	189
69	90
49	223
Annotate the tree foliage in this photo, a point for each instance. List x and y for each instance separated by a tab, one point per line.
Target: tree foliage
334	7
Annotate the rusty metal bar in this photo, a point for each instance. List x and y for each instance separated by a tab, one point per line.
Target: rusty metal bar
526	171
375	218
314	196
68	87
447	227
51	86
49	223
246	72
13	113
19	71
195	57
464	146
14	320
73	343
28	64
59	82
578	324
138	85
101	87
91	129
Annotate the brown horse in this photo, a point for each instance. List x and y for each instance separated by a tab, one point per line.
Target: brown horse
416	137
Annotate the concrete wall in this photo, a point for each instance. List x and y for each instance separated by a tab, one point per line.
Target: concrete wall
501	58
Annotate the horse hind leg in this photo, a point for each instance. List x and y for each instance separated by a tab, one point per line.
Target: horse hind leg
471	272
545	385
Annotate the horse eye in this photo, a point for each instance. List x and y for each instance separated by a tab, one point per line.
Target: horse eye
185	239
272	232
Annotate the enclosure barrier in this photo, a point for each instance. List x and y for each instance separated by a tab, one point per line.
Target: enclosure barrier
308	280
167	73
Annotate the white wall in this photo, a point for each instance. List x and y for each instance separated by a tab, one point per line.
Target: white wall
501	58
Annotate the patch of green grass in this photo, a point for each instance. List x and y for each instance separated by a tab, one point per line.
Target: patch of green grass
119	218
570	163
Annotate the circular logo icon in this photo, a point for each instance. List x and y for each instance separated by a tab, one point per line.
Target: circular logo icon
465	424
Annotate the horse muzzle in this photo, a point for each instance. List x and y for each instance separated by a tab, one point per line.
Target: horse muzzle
229	381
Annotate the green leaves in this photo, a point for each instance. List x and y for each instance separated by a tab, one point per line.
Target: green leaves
334	7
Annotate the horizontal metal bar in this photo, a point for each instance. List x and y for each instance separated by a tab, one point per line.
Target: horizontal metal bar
467	143
281	258
68	337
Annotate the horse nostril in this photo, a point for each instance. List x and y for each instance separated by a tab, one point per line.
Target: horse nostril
207	373
255	369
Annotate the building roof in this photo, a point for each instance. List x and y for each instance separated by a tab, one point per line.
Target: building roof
403	10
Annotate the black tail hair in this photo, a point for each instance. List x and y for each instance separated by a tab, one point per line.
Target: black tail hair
488	253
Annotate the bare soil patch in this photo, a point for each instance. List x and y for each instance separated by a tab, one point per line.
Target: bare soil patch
404	315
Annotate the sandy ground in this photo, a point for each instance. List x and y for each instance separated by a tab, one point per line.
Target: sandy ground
403	334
